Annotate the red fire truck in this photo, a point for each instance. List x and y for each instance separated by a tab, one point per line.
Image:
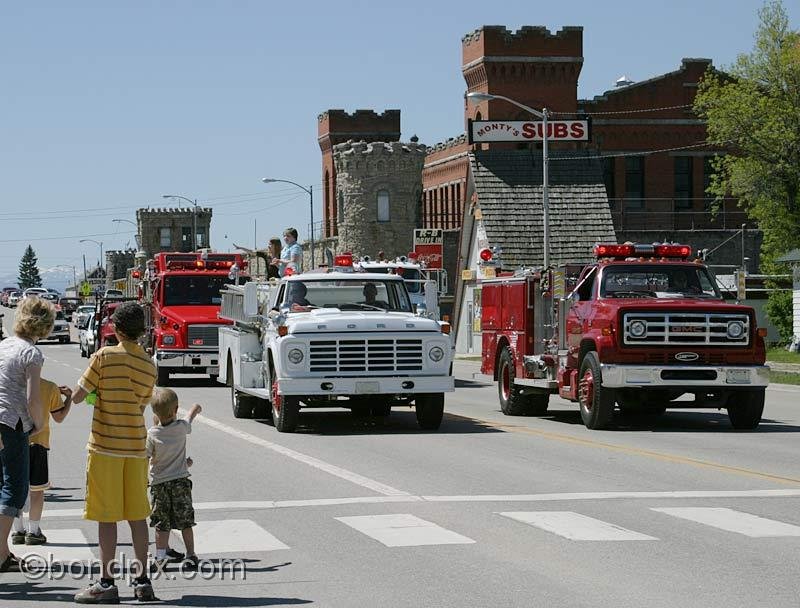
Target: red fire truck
639	328
181	299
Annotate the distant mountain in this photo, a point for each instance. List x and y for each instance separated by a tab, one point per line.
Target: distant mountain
57	278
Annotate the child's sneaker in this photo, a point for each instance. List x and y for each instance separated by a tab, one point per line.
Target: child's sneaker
18	538
98	593
35	538
143	591
174	556
190	563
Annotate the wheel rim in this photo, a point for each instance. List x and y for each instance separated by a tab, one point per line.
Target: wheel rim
506	376
277	399
587	390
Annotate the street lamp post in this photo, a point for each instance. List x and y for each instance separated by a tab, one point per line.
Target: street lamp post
194	216
137	235
310	191
477	97
96	243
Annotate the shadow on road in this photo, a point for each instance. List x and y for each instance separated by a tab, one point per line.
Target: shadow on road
401	421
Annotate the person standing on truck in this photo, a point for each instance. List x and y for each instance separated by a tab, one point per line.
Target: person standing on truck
269	256
291	255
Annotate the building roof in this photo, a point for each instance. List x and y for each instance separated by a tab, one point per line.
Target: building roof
792	256
508	185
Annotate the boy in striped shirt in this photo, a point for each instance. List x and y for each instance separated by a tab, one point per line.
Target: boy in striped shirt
123	377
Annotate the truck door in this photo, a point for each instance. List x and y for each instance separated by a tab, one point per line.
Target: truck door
579	312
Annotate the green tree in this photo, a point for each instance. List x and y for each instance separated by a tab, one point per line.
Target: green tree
752	109
29	270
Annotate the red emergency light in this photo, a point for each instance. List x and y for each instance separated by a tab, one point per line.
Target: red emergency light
672	251
413	255
136	274
612	250
345	259
486	255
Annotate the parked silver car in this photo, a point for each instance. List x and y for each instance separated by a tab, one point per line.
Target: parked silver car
81	314
87	336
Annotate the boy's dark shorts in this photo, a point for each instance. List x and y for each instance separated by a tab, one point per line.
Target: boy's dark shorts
40	475
172	505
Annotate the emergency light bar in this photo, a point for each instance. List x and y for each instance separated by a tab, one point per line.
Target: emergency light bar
612	250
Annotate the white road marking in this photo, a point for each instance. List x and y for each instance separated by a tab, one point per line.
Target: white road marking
69	545
352	477
404	530
259	505
575	526
733	521
232	536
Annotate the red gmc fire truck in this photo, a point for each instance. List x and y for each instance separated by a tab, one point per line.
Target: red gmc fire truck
180	295
638	328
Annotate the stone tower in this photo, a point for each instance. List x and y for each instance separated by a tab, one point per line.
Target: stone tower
531	66
336	127
379	188
172	229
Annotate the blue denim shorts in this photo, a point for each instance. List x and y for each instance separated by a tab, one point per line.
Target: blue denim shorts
14	470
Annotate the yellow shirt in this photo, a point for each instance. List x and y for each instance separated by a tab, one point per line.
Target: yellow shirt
51	401
123	377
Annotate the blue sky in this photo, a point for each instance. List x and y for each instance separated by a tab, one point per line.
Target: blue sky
108	105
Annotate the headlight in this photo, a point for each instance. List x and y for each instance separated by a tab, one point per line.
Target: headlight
168	340
295	355
436	354
735	329
637	329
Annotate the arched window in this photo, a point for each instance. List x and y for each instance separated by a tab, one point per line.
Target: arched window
383	206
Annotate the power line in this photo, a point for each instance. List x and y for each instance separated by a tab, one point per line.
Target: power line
636	111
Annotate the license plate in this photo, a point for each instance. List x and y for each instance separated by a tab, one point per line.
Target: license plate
364	388
737	376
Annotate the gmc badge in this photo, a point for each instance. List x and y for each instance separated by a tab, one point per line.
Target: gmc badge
687	357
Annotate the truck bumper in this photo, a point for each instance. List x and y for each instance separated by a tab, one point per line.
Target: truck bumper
366	386
620	376
189	361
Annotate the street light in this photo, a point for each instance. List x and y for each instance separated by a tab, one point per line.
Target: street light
194	216
310	191
96	243
477	97
137	235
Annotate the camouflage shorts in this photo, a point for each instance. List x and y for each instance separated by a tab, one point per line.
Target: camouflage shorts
172	505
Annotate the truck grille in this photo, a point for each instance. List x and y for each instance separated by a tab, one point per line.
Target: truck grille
203	336
685	329
363	355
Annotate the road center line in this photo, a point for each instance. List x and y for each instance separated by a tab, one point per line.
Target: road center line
352	477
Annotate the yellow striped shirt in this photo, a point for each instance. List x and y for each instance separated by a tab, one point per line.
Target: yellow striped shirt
123	377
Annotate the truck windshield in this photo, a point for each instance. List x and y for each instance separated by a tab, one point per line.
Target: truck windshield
194	290
347	295
658	281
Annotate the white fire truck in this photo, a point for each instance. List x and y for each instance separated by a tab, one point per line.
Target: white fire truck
332	338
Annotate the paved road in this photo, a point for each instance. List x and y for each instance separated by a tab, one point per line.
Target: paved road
489	511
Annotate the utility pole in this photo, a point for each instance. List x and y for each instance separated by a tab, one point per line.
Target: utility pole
85	276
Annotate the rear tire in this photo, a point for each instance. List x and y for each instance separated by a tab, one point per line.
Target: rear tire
596	402
381	410
241	404
745	414
430	411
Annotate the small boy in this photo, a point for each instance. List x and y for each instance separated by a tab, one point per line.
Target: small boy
39	447
170	486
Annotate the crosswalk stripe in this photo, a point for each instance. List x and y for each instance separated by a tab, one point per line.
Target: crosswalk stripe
733	521
64	545
575	526
231	536
404	530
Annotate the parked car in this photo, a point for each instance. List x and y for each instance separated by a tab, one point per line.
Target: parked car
82	314
34	291
60	330
7	291
87	335
69	306
14	299
111	294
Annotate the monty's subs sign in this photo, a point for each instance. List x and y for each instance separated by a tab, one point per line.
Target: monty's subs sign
483	131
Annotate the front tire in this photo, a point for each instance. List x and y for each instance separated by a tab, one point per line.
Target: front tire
745	414
285	410
241	404
163	376
596	402
430	411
